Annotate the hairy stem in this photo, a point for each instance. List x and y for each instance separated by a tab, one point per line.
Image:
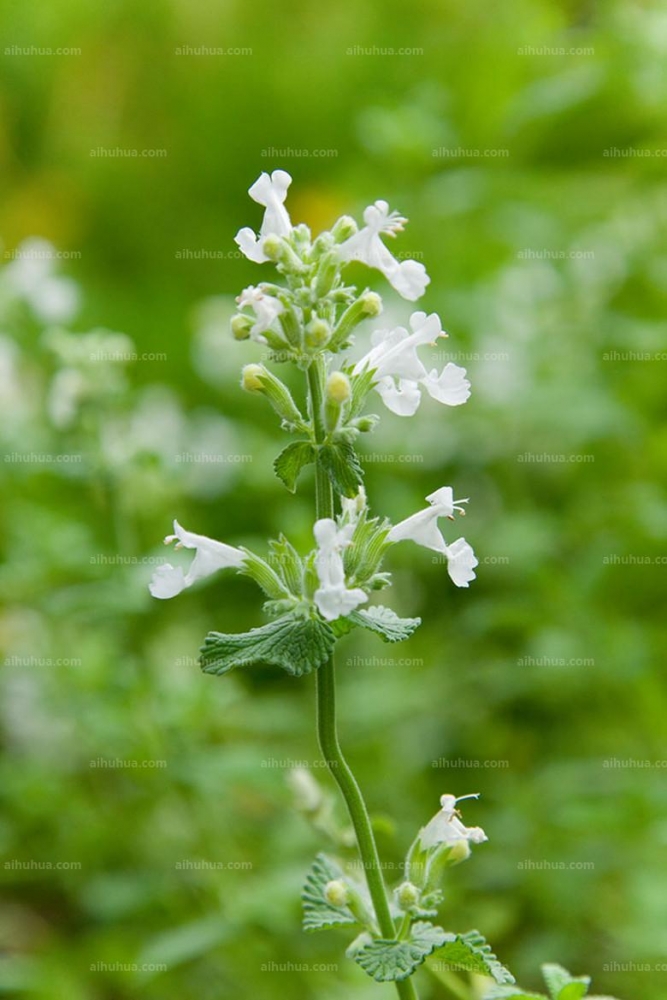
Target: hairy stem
327	729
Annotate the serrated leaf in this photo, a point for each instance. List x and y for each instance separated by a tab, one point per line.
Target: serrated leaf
385	623
318	914
296	644
472	953
393	961
341	463
291	461
562	985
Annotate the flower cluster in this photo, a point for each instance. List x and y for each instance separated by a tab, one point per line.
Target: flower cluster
310	320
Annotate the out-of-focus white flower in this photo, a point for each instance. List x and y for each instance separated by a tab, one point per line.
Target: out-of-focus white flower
266	309
271	192
400	374
333	598
408	277
446	826
422	528
31	276
210	556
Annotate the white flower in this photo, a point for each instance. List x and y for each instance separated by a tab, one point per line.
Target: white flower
266	309
271	192
31	276
422	528
210	556
461	562
408	277
333	598
400	374
446	826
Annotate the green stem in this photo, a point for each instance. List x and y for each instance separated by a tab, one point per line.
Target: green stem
327	729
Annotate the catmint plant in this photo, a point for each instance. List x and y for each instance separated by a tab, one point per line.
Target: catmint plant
308	318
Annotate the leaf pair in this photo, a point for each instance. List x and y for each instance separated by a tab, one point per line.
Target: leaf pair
338	459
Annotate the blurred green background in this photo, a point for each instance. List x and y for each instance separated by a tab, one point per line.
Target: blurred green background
500	136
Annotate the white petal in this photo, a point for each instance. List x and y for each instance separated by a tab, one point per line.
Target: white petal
250	245
334	602
421	528
461	562
443	499
410	280
167	581
450	387
402	399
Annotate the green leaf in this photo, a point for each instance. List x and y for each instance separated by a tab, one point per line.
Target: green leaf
288	565
298	645
389	961
318	914
341	463
292	460
361	386
470	952
385	623
563	986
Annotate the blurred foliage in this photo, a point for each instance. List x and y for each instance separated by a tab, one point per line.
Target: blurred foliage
550	662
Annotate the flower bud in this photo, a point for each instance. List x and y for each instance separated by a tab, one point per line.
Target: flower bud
257	378
338	391
241	326
251	378
337	893
372	303
327	273
365	423
344	228
367	305
338	388
273	247
318	333
407	895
